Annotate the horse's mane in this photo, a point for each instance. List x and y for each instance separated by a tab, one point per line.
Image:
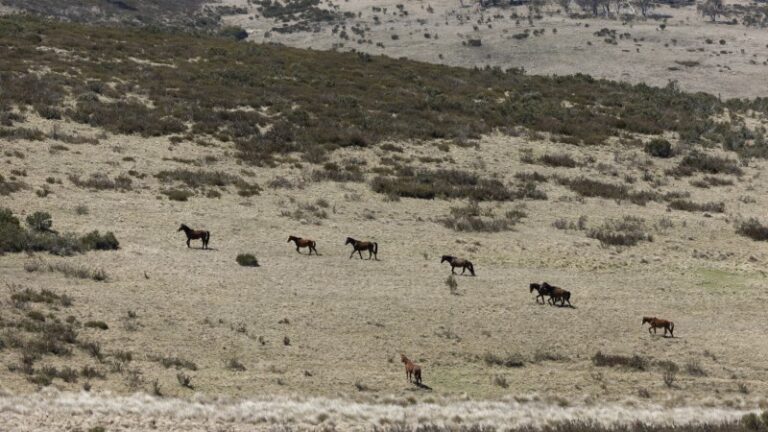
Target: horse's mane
184	226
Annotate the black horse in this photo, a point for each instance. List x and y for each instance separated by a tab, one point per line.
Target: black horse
359	246
542	291
458	262
205	236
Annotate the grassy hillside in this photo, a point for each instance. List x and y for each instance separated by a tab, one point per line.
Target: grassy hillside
273	100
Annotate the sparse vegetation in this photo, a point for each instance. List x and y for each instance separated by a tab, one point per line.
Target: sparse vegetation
753	229
446	184
41	237
627	231
685	205
247	260
634	362
473	218
509	360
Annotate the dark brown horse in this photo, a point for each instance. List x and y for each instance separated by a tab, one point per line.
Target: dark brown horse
542	290
557	293
303	243
359	246
458	262
205	236
412	370
660	323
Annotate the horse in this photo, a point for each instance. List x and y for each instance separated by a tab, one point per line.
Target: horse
359	246
458	262
659	323
303	243
542	290
205	236
412	370
557	293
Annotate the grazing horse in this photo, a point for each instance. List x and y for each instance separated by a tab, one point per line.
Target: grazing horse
303	243
359	246
557	293
542	290
659	323
458	262
412	370
195	235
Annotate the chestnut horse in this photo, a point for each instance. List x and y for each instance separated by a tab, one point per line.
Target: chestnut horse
557	293
359	246
412	370
659	323
458	262
205	236
303	243
542	290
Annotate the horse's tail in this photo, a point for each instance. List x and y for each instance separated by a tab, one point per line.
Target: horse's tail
417	375
207	237
375	248
471	268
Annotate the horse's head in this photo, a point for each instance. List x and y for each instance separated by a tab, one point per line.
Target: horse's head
182	228
534	286
290	238
403	358
647	320
350	240
445	258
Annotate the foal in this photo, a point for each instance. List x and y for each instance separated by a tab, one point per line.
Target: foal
205	236
458	262
412	370
659	323
359	246
303	243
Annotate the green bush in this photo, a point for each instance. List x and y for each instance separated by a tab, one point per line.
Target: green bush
40	237
627	231
247	260
753	229
658	147
40	221
96	241
234	32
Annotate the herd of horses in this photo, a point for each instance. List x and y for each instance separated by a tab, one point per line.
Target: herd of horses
412	370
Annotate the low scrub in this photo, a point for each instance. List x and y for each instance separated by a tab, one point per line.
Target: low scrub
627	231
446	184
753	229
8	187
634	362
247	260
200	179
659	148
473	218
595	188
72	271
509	360
558	160
41	237
697	161
690	206
99	181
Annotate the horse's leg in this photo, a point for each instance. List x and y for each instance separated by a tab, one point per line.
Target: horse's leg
452	270
463	269
360	252
352	254
188	240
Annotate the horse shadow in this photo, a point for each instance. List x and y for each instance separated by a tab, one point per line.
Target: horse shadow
200	248
422	386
